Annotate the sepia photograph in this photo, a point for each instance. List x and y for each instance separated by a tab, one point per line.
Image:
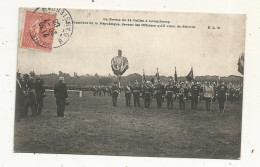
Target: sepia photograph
129	83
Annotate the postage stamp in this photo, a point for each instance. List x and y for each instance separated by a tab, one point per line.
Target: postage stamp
46	28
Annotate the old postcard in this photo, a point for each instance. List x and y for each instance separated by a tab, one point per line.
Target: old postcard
129	83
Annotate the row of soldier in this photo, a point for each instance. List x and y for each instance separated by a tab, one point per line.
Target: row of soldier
182	92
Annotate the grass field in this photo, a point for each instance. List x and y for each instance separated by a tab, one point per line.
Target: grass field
93	126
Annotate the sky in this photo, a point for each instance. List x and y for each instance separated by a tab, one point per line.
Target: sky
91	47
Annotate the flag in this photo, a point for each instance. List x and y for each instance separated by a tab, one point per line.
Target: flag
189	77
143	78
157	77
241	63
175	76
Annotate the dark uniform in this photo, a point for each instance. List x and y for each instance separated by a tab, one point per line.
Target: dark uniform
104	89
30	101
231	92
114	93
195	91
61	94
181	93
40	94
147	93
19	99
94	91
159	90
128	93
136	94
222	91
169	95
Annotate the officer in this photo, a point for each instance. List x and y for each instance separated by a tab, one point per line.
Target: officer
95	90
40	94
128	93
195	90
222	96
159	90
61	95
30	95
181	93
169	94
114	93
136	93
208	95
147	91
19	98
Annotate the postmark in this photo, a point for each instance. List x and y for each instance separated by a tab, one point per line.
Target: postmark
47	28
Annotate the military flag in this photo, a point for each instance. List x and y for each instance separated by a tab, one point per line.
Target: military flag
175	76
189	77
156	77
241	63
143	78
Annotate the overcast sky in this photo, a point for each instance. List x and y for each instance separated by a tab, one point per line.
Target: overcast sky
91	47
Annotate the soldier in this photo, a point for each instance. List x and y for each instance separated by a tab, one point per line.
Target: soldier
136	94
99	90
215	92
208	95
159	90
222	96
181	93
231	93
114	93
30	96
104	89
195	90
40	94
95	91
128	93
19	98
61	96
147	91
169	94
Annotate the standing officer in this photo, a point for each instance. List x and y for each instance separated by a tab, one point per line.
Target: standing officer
128	93
159	90
61	95
40	94
169	94
195	90
208	95
181	93
136	94
30	96
147	91
222	96
114	93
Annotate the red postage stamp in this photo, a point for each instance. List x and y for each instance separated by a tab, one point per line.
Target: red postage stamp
39	29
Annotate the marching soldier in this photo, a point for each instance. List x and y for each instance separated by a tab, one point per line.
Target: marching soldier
222	96
147	91
181	93
40	94
128	93
61	96
195	90
169	94
159	90
114	93
208	95
30	95
136	94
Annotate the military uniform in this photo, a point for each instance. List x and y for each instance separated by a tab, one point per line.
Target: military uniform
208	95
147	92
61	94
181	93
30	101
128	92
136	93
114	93
195	90
169	95
159	90
222	93
40	93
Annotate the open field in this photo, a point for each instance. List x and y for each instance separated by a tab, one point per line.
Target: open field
93	126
